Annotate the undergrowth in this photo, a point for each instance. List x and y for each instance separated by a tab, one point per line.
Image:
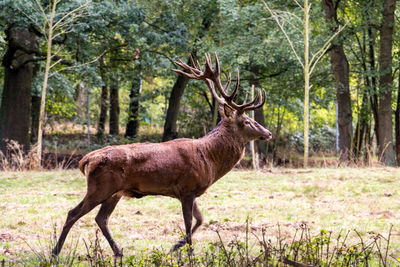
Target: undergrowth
255	249
15	158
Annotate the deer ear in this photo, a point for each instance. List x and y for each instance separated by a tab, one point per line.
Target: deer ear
226	111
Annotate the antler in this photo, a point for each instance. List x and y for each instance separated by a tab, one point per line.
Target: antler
212	77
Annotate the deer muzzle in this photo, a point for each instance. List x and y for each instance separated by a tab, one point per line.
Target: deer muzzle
266	136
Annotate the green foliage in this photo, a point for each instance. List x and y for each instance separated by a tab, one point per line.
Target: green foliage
116	41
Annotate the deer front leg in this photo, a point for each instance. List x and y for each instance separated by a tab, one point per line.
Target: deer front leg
198	216
189	208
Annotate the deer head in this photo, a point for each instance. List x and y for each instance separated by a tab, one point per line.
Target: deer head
233	114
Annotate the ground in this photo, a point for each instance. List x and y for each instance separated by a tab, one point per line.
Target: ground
33	204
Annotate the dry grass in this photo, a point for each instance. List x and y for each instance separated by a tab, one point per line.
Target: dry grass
336	200
15	159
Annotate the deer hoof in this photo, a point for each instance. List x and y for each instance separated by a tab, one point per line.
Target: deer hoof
118	257
180	244
118	253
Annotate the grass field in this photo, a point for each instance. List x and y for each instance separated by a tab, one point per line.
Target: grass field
32	204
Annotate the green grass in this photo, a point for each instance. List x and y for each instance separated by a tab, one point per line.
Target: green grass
365	199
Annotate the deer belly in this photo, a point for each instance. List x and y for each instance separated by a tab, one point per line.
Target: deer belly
167	184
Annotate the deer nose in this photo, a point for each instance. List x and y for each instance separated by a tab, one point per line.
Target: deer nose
267	136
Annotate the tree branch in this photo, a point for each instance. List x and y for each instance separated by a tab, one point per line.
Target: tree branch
284	32
42	54
323	49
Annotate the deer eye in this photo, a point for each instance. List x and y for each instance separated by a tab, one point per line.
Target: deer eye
247	122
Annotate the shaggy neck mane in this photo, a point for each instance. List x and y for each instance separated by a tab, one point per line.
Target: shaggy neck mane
224	147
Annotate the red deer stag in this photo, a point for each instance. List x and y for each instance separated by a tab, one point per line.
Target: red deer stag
181	168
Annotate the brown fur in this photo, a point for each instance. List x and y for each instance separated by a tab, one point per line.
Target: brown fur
182	169
171	168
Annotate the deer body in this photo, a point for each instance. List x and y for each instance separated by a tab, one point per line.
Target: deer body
182	168
169	169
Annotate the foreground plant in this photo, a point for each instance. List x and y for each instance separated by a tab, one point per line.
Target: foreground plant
257	248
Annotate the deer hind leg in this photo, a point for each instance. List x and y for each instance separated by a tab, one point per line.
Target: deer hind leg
86	205
190	209
107	207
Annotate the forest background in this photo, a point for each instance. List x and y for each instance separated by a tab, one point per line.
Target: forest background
107	65
77	75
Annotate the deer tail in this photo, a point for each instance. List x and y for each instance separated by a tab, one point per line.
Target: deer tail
82	164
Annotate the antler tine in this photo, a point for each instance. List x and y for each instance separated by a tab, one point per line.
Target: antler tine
212	79
194	72
263	98
198	65
228	83
248	106
208	71
191	76
207	64
193	69
232	96
216	77
181	64
184	66
261	101
213	92
192	62
217	65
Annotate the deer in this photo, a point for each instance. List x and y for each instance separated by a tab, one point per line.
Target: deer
182	168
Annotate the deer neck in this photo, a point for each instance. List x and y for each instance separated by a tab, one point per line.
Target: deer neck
223	148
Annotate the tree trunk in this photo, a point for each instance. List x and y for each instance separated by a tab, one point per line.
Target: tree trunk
35	112
16	97
81	101
260	145
368	142
132	127
361	132
103	101
215	114
170	131
374	90
103	112
386	151
397	124
277	138
361	126
340	68
114	109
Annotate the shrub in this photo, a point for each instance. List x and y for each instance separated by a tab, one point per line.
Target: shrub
304	249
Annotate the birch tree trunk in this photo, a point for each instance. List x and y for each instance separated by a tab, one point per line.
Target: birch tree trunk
44	88
306	81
